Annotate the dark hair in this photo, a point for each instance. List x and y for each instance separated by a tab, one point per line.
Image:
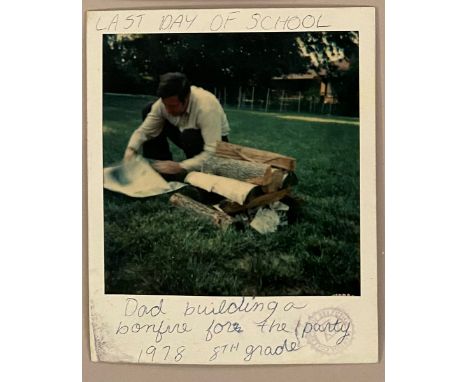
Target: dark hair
173	84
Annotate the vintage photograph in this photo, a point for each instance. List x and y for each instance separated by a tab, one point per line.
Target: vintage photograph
231	163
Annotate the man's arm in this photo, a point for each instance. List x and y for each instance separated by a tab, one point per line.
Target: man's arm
150	128
129	153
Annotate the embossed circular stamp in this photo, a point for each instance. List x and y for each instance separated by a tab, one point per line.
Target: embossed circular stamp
329	330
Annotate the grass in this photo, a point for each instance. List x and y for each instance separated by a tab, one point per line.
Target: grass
154	248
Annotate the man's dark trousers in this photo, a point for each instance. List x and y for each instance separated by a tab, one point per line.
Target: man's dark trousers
189	140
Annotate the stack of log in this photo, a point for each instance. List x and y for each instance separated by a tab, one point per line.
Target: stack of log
246	177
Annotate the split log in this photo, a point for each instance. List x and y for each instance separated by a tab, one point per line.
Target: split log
229	150
276	182
280	179
219	218
251	172
230	207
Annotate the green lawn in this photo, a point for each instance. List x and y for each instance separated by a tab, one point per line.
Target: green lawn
154	248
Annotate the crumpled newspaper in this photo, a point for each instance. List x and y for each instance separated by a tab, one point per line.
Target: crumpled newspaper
267	219
136	178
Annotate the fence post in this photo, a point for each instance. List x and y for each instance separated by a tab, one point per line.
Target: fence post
267	99
253	93
281	101
299	103
239	98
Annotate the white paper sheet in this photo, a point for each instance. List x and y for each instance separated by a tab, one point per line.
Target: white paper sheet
267	220
136	178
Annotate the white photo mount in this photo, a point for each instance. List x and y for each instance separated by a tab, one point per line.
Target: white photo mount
238	330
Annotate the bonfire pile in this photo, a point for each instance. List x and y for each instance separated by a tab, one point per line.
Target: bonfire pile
247	179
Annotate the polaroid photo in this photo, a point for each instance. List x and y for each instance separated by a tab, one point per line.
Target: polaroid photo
231	169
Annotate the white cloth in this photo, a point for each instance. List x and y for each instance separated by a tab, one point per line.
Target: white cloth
204	112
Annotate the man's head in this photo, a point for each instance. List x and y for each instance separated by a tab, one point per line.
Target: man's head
174	90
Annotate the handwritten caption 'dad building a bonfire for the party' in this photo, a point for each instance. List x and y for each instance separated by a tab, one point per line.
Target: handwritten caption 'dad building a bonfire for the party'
228	325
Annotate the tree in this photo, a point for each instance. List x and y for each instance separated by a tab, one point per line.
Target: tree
133	63
328	50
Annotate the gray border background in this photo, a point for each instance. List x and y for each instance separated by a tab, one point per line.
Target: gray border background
107	372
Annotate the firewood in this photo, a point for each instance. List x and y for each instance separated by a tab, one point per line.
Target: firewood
231	207
236	190
229	150
290	180
219	218
251	172
276	182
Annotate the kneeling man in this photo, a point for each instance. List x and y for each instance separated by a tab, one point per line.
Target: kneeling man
191	117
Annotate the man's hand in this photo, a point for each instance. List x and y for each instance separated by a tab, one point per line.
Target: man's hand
167	167
129	154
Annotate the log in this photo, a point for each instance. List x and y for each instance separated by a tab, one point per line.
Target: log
230	207
276	182
219	218
229	150
235	190
290	180
251	172
280	179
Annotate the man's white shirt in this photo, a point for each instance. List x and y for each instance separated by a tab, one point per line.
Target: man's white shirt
204	112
